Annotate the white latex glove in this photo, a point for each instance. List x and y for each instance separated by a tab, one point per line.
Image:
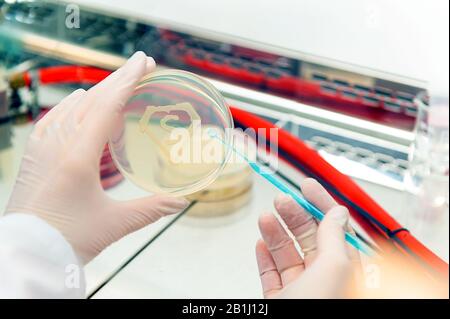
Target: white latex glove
59	177
329	264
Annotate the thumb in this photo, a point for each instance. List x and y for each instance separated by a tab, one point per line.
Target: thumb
332	264
331	233
138	213
107	98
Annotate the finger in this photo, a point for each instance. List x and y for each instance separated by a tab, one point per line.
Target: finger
65	120
287	259
268	273
331	234
332	261
352	251
66	115
63	128
317	195
300	223
106	101
121	75
138	213
60	108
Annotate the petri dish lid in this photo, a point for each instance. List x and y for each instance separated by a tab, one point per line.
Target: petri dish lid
162	140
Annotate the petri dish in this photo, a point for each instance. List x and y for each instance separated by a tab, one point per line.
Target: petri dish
163	141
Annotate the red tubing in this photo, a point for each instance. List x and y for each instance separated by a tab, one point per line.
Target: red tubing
311	159
71	74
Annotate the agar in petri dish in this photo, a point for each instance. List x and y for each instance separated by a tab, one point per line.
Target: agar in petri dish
163	141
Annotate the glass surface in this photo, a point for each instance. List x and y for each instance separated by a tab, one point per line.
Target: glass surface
162	142
427	178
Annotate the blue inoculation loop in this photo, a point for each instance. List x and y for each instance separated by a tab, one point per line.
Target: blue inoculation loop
278	183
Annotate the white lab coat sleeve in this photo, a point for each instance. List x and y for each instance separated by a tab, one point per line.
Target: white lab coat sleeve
36	261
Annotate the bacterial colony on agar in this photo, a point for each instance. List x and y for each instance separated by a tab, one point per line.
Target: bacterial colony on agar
162	141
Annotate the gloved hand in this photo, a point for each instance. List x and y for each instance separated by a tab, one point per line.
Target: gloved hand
329	264
59	176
